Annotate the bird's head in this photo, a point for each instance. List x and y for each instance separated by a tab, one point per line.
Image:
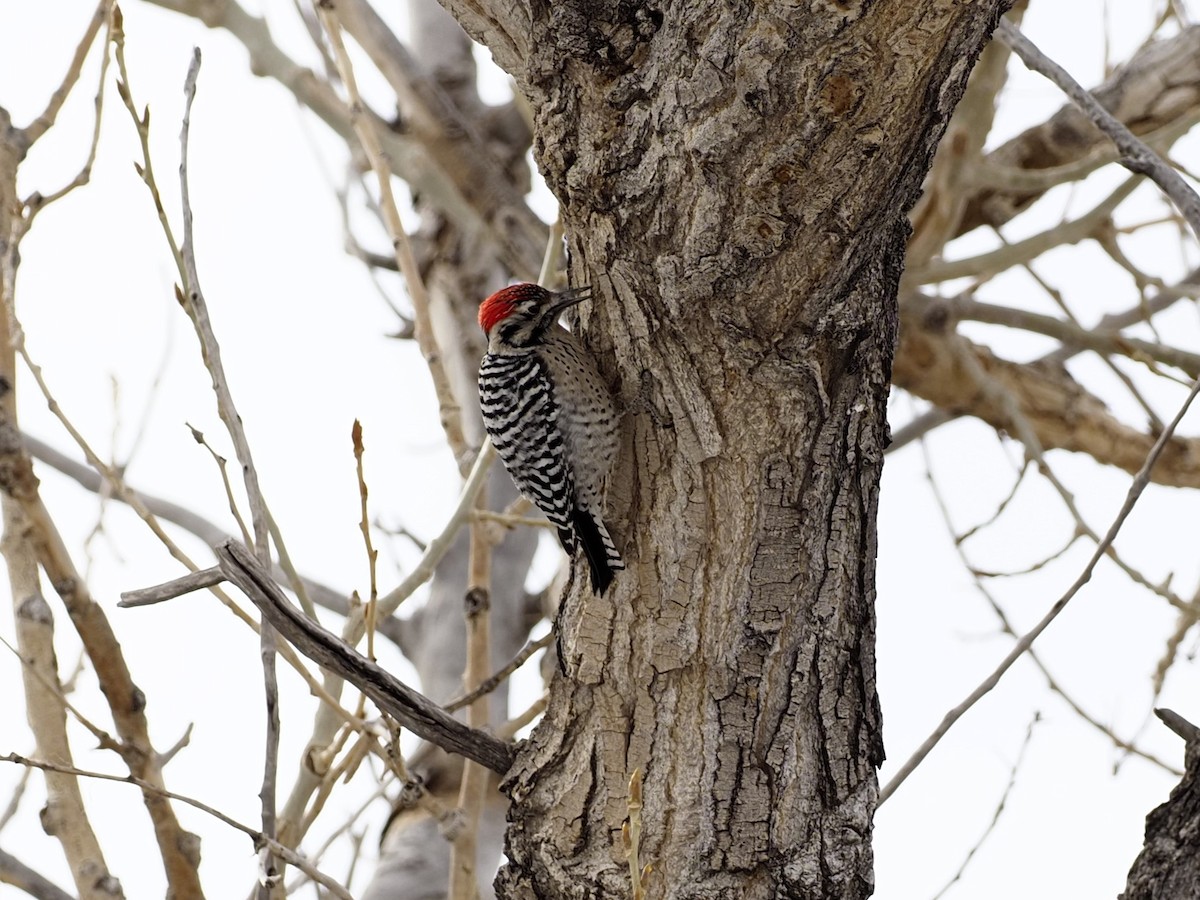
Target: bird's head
521	314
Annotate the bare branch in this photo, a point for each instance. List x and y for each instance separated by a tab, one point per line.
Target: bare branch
197	310
192	522
1156	93
1006	625
985	265
1178	724
438	547
930	363
964	307
192	299
448	404
1135	155
46	710
410	709
464	881
936	216
20	876
494	680
1138	485
45	121
37	202
286	853
999	811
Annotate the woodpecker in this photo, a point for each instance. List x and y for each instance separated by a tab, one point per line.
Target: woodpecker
550	417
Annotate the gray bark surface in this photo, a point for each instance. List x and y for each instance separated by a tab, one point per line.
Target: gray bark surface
1168	867
733	181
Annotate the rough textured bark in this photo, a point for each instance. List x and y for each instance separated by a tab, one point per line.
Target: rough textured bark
734	181
1169	866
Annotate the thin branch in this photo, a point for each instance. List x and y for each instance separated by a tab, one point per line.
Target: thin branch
1014	179
142	125
184	517
197	309
355	626
1105	343
439	545
364	525
464	881
1012	781
1135	491
496	679
104	740
1121	743
292	857
14	802
44	122
521	719
1135	154
451	411
996	261
223	469
1163	299
151	505
937	365
1016	419
192	299
37	202
20	876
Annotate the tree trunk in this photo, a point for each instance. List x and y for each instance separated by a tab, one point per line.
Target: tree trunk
733	181
1169	865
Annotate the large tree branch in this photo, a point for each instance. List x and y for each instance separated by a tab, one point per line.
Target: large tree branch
1136	156
930	363
475	202
503	26
1155	90
409	708
948	312
947	186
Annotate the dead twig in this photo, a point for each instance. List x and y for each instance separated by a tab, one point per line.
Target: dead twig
1012	781
464	882
451	411
292	857
496	679
1138	485
191	297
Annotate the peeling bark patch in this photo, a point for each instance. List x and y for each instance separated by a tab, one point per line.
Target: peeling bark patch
838	95
846	10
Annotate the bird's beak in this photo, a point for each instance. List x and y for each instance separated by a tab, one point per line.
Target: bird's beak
570	297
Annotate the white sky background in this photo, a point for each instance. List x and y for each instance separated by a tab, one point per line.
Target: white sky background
303	335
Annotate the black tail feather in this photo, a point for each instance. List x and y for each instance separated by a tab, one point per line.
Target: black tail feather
593	548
